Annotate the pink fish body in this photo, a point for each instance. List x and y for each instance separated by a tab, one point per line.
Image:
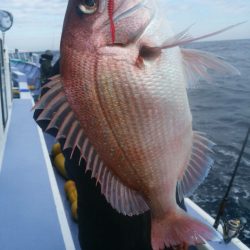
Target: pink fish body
121	100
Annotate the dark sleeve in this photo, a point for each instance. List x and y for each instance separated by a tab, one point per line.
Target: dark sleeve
56	68
100	226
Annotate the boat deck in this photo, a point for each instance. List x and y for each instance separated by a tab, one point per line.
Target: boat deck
31	212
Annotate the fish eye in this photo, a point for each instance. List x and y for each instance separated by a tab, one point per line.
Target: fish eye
87	7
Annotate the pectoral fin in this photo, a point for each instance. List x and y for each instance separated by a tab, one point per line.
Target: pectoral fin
197	63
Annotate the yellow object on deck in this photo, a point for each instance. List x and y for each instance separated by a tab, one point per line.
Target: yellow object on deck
59	162
32	87
70	190
68	186
71	193
15	91
74	210
56	149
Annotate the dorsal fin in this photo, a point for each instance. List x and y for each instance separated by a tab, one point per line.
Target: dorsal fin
198	167
54	108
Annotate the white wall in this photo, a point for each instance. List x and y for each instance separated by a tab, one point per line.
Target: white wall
2	139
6	78
1	130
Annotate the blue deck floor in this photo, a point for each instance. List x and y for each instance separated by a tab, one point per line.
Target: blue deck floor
28	214
50	140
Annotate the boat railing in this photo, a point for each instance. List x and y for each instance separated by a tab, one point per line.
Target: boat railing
29	57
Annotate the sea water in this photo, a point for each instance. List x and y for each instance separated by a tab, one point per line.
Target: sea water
221	109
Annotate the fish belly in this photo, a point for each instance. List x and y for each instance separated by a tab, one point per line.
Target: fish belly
138	120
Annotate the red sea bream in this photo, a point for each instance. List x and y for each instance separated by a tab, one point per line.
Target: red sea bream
121	99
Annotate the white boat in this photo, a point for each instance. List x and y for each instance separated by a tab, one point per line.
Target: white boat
34	212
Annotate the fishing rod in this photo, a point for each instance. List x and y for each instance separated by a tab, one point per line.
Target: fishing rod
225	198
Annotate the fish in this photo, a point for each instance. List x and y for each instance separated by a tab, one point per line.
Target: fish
121	100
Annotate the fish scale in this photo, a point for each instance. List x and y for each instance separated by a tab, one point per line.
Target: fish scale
94	117
133	120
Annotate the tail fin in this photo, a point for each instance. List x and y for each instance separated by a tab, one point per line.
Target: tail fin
177	228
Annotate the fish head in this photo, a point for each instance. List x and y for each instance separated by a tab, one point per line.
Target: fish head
97	23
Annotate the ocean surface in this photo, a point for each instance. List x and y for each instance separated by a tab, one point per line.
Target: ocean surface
221	109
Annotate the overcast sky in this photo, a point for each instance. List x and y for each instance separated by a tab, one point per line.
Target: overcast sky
38	23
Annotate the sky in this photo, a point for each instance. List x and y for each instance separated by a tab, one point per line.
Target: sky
38	23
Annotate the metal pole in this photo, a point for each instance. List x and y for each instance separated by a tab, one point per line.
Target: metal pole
225	198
